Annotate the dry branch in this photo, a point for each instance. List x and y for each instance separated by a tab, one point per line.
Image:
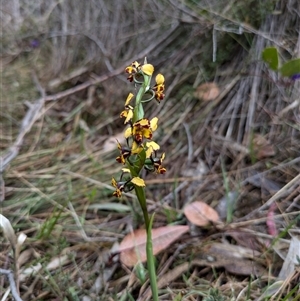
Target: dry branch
10	276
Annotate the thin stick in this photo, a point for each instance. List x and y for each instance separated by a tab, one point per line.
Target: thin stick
275	197
12	283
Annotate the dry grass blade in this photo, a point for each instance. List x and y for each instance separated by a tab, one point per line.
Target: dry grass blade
291	260
8	231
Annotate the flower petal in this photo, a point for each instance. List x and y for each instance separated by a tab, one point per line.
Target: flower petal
129	116
153	123
160	79
143	123
136	148
114	183
153	144
129	97
138	182
128	132
148	69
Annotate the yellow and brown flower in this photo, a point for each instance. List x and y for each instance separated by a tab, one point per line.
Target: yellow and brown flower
157	162
128	112
119	187
159	88
124	153
132	69
143	128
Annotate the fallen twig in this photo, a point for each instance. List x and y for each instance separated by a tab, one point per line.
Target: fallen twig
10	277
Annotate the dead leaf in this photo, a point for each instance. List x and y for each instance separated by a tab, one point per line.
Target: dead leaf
259	179
201	214
133	247
262	147
216	255
235	259
207	92
244	267
245	239
291	260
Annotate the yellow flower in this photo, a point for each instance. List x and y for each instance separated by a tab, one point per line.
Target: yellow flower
128	99
153	124
136	148
158	164
159	88
128	132
119	188
138	182
128	112
151	147
160	79
141	129
148	69
124	153
132	69
136	64
159	96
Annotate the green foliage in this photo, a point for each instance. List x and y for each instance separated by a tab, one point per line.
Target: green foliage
178	297
290	68
230	204
270	56
49	224
214	295
171	214
140	272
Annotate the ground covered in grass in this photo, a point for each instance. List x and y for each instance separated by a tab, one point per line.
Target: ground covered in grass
62	90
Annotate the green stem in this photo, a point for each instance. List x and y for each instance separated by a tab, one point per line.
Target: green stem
138	112
140	192
151	261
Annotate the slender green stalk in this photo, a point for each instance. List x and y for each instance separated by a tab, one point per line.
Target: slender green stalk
140	193
151	262
141	153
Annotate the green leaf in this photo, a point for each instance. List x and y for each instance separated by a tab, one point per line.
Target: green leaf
270	56
290	68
